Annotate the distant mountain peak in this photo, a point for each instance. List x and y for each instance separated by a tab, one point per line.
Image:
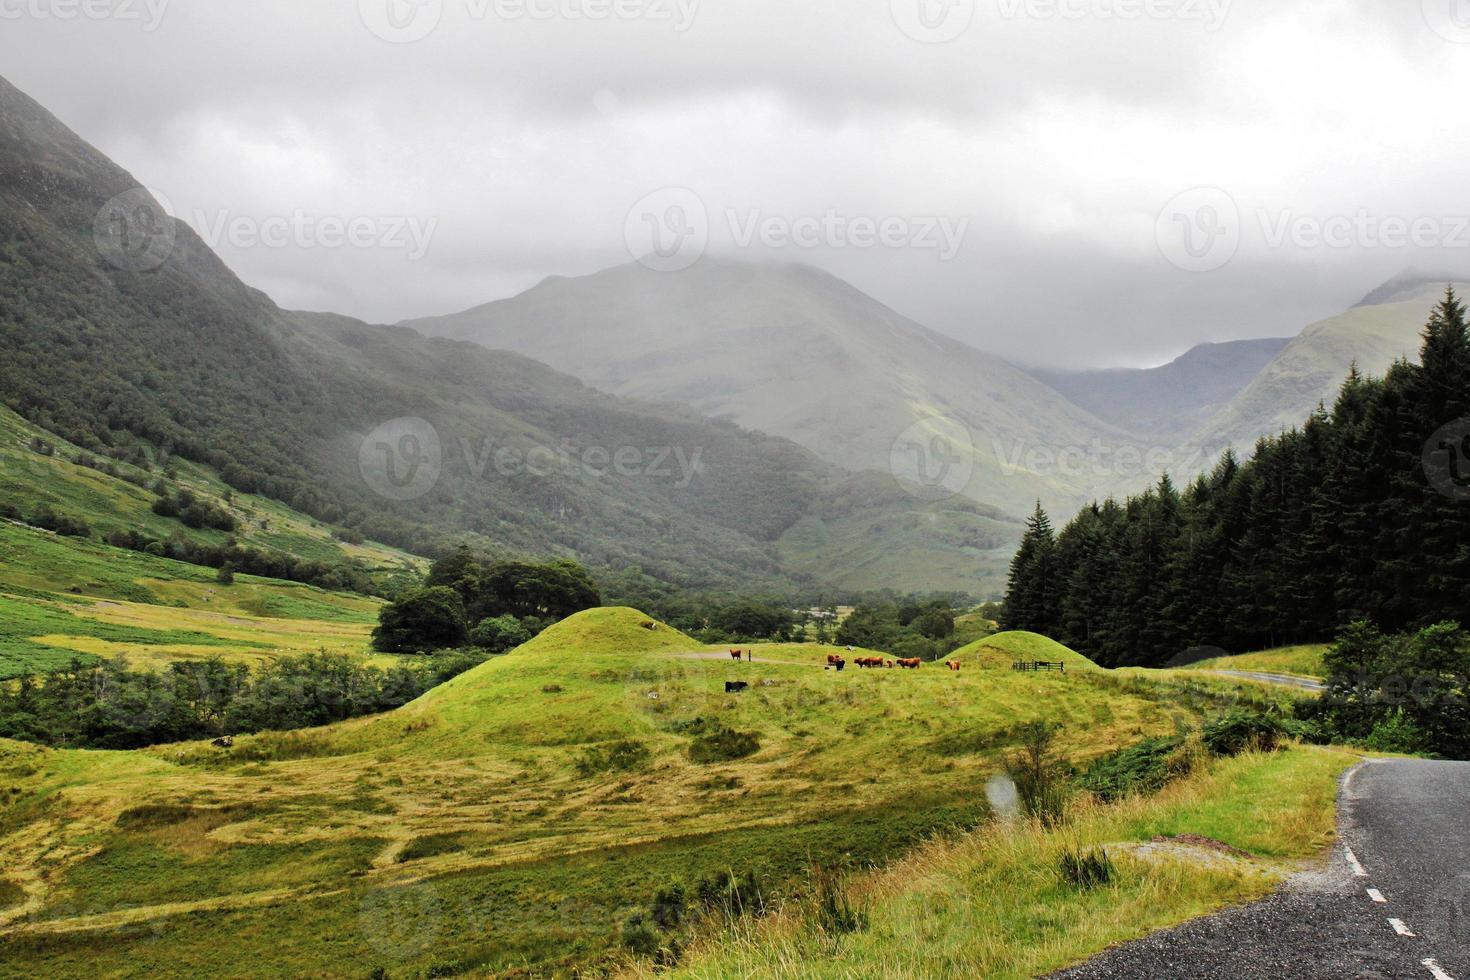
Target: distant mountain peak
1409	283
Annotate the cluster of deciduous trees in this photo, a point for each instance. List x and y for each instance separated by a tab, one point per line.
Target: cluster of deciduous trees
499	604
109	706
1405	692
922	629
1362	513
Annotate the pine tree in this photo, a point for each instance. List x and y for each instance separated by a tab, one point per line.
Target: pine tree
1031	592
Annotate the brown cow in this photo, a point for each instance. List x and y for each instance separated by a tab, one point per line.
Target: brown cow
890	665
911	663
869	661
736	654
952	664
833	660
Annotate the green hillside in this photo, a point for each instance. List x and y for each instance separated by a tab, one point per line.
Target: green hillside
516	816
1383	328
1168	402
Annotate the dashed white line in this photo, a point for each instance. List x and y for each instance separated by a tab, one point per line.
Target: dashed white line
1377	896
1437	970
1352	859
1400	928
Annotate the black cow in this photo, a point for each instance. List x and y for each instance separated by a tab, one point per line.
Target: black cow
735	687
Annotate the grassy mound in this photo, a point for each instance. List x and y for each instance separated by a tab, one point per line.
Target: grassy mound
504	819
1003	649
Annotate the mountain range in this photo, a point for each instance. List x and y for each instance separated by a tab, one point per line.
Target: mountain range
736	426
125	334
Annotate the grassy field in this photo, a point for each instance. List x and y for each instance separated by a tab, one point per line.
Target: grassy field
488	826
1301	661
66	597
993	903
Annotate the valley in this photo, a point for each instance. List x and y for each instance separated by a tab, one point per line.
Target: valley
692	623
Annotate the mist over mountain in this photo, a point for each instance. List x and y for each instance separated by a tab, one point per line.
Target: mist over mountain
1168	402
793	351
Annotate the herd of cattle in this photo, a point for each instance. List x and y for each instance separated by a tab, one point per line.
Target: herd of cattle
837	661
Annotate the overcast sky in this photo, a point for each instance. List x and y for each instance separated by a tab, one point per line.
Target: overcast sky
1021	174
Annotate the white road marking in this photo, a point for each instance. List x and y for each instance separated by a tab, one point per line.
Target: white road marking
1400	928
1437	970
1377	896
1352	859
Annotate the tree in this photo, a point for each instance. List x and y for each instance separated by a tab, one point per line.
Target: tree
423	620
1031	592
499	634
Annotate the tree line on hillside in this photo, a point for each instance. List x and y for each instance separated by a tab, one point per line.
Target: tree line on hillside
110	706
1363	513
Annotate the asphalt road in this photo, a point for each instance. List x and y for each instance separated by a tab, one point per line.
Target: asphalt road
1305	683
1393	902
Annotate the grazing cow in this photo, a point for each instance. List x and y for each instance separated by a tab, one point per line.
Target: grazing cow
952	664
890	665
912	663
840	663
735	687
870	661
833	660
736	654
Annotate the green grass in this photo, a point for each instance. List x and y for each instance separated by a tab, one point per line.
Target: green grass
1300	661
470	803
64	598
994	904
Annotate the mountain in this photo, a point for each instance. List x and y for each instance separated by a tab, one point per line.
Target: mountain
124	335
1168	402
1384	327
796	352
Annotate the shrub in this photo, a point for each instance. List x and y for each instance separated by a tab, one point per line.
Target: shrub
624	756
499	634
1142	768
639	938
1087	870
1237	732
834	913
723	745
1041	779
430	846
732	897
1397	733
